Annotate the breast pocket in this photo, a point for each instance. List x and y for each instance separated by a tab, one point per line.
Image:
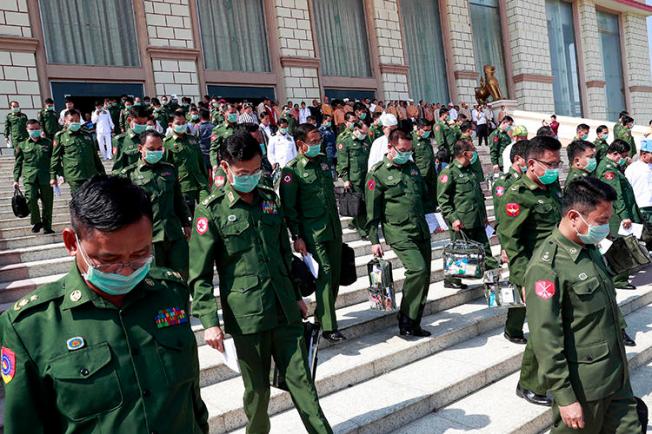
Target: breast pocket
589	294
237	237
176	347
77	378
245	297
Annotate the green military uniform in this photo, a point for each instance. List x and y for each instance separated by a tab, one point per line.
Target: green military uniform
574	173
125	149
621	132
498	141
308	200
460	197
249	245
375	130
122	122
49	122
352	159
184	153
33	163
424	157
528	214
395	196
217	118
114	111
218	136
441	134
74	362
343	135
292	123
573	318
75	157
477	165
171	214
162	116
500	187
453	134
16	128
601	146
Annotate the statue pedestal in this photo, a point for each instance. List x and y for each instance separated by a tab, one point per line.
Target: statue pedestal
510	105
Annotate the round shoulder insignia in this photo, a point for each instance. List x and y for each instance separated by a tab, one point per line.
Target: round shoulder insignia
219	181
287	178
609	175
232	218
202	225
371	185
544	289
512	209
340	146
75	295
443	179
500	191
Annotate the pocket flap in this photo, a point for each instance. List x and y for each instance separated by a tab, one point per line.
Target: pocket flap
244	283
81	364
589	353
234	228
587	286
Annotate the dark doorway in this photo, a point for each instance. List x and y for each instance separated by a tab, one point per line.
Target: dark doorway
351	94
253	95
84	95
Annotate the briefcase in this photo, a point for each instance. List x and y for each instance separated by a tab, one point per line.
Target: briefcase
626	254
381	292
349	203
646	237
19	204
302	277
464	258
311	335
498	291
348	274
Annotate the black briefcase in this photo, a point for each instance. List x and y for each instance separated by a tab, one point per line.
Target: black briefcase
311	335
347	272
302	277
19	204
350	203
642	411
626	254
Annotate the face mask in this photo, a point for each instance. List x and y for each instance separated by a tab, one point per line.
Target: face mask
180	129
313	150
150	128
50	107
128	107
591	164
595	234
523	169
232	118
425	134
550	176
246	183
215	105
35	134
605	137
74	126
622	161
402	157
474	157
262	149
327	124
153	157
137	104
194	117
139	128
584	136
363	116
164	102
15	110
283	130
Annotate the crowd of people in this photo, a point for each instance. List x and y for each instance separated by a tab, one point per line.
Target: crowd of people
237	187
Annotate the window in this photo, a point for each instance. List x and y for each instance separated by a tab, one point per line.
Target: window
342	36
90	32
234	35
563	57
488	38
425	50
609	30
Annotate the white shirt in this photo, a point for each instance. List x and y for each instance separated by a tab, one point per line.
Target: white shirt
103	122
453	114
303	115
281	149
378	150
507	162
639	175
482	119
372	107
474	116
267	130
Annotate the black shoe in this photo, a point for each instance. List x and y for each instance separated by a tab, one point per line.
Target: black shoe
521	340
627	340
627	286
455	285
37	228
414	331
334	336
48	231
532	397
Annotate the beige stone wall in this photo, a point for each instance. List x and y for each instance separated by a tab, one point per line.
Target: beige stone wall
390	48
637	61
169	23
176	77
14	18
596	98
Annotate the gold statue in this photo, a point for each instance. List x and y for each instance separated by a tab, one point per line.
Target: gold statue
488	86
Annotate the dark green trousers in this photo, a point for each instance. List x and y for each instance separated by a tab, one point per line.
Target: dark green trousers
478	235
173	255
360	221
33	192
328	255
515	321
286	345
415	257
530	379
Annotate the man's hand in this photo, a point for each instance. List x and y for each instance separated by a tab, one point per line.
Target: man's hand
300	247
214	338
15	184
572	415
186	232
377	250
303	309
348	185
457	225
496	168
53	182
627	223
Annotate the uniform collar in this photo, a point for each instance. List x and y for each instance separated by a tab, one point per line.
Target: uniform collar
572	248
389	164
514	173
531	185
233	197
131	133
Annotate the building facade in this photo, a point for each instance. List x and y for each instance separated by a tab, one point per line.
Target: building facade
584	58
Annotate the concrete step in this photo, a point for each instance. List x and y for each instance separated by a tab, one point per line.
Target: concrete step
57	217
31	240
7	215
30	254
21	231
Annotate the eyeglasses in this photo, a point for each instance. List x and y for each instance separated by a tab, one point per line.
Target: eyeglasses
114	267
551	164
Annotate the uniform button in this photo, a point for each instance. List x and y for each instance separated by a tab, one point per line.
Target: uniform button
589	358
146	393
84	372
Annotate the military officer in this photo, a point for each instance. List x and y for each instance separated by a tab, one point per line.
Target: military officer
441	131
529	212
581	157
424	157
574	316
125	145
160	113
308	200
217	118
220	133
499	139
623	132
125	113
461	201
350	119
376	128
182	150
74	154
395	195
467	133
15	125
33	163
49	120
601	142
518	168
114	110
582	132
171	215
352	158
240	229
108	347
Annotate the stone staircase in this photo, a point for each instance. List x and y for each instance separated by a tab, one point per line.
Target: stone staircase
375	381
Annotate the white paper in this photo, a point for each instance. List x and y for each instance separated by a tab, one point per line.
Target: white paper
604	246
230	355
489	230
636	229
312	265
507	295
432	222
440	220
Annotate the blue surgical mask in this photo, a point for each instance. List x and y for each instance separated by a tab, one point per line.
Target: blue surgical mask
622	161
327	124
194	117
591	164
363	116
153	157
15	109
474	157
139	128
402	157
584	136
74	126
232	118
262	149
283	130
425	134
246	183
35	134
313	150
595	234
550	176
180	129
605	137
523	169
150	128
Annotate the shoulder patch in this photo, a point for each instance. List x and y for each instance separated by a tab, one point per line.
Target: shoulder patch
443	178
371	185
513	209
609	175
544	289
220	180
8	364
287	178
500	191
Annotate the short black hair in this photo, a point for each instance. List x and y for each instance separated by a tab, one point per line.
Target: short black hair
283	121
204	114
601	129
582	127
618	146
466	126
519	150
150	133
577	147
626	119
348	116
545	131
462	146
107	203
98	102
443	111
72	112
129	99
33	122
179	114
583	194
507	118
397	135
423	122
139	112
540	144
301	132
248	127
49	101
241	146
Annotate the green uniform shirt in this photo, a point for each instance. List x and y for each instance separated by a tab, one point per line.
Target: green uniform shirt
573	174
124	113
625	205
460	196
440	130
184	153
500	187
574	322
352	159
114	111
162	116
49	121
395	197
250	247
75	157
601	146
217	118
498	141
344	135
453	134
308	199
621	132
125	149
78	363
375	131
527	215
161	185
218	136
477	166
424	155
33	161
16	127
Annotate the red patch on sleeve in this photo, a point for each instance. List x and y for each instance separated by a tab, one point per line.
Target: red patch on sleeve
443	179
8	365
219	181
544	289
115	151
512	209
371	185
340	146
609	175
287	179
496	139
500	191
202	225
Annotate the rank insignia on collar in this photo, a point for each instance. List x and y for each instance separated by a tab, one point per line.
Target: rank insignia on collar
414	172
8	365
75	343
269	207
170	316
583	276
